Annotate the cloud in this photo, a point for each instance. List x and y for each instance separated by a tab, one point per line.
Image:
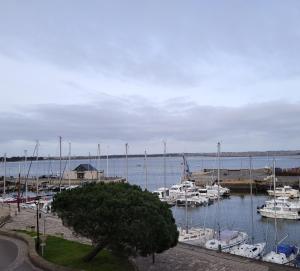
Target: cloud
139	121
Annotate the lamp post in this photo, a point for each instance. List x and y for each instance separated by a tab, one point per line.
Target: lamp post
37	244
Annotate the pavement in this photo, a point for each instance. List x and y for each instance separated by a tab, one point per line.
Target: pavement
13	255
184	258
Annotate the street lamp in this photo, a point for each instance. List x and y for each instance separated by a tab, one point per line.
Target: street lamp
37	203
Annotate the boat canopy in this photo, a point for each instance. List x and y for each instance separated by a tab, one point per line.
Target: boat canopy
287	249
227	235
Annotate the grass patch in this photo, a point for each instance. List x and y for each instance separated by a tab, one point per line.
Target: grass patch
70	253
30	233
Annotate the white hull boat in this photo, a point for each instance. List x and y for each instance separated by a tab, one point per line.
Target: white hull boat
285	191
254	251
285	255
227	240
279	212
195	236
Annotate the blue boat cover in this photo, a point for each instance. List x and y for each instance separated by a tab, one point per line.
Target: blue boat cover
286	249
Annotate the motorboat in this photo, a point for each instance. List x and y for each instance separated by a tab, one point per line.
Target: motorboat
224	191
284	254
210	194
284	191
164	196
195	236
226	240
279	212
285	202
254	251
191	201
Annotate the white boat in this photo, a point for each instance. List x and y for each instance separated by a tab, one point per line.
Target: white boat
163	195
248	250
285	202
284	191
279	212
253	251
191	201
284	254
210	194
224	191
226	240
195	236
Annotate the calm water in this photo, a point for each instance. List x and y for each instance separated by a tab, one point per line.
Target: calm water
235	213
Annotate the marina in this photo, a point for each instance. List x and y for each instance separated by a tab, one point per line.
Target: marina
230	216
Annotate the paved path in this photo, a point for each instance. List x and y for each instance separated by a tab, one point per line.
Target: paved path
13	255
180	258
48	223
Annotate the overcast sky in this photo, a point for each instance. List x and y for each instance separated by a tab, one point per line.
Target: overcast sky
188	72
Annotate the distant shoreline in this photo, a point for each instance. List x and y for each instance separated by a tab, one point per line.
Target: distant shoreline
224	154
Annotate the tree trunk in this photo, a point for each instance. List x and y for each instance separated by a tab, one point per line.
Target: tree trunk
153	258
94	252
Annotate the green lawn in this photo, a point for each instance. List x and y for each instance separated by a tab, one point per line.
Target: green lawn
69	253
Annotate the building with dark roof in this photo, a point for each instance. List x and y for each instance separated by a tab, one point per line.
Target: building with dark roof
84	172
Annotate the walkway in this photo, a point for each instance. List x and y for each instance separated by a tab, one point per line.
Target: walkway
13	255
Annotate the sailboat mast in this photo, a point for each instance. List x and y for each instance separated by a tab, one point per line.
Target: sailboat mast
99	155
69	174
37	173
275	216
107	162
126	158
60	177
4	178
146	170
26	185
165	168
186	213
218	201
251	200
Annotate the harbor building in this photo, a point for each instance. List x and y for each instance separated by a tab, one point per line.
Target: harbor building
84	172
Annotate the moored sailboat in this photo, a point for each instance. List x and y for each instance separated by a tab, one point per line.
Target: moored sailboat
283	254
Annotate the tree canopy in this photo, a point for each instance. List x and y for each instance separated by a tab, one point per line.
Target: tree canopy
118	216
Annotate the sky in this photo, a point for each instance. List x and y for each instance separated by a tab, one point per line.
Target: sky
191	73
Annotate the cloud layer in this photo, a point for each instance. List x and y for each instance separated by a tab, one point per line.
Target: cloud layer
258	126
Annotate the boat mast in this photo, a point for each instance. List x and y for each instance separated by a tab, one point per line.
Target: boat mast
99	156
275	216
60	177
126	158
146	170
186	213
185	196
4	178
218	201
26	185
69	174
251	199
165	167
37	173
107	162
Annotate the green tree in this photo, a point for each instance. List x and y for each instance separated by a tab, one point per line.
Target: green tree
120	217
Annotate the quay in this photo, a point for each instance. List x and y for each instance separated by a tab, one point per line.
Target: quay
12	184
238	179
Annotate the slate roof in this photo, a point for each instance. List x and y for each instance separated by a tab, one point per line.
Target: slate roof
85	167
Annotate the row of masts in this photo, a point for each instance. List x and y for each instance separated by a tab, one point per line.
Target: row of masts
36	154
